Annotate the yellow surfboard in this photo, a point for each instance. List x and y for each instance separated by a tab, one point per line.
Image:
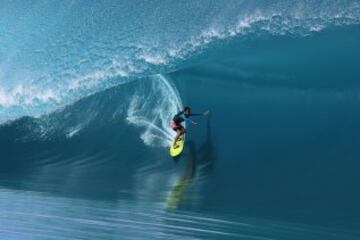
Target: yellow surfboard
174	152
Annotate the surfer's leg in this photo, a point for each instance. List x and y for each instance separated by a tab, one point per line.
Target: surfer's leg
179	133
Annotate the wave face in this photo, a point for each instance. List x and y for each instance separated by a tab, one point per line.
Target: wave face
88	90
53	53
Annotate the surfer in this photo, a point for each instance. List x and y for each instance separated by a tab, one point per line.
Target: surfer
181	117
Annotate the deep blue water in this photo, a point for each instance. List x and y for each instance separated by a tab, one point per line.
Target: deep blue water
87	92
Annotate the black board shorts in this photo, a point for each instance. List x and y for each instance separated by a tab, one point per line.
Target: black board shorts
177	127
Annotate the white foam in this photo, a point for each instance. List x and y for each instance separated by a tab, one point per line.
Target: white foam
316	28
26	95
155	59
295	19
73	131
153	109
5	99
29	97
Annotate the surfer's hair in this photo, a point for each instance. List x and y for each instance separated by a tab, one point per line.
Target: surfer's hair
187	109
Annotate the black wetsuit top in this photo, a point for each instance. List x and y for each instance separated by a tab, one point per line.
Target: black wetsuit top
181	117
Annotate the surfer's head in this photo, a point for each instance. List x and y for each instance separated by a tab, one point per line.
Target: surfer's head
187	110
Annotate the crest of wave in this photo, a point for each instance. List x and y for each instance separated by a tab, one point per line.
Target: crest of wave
105	61
249	18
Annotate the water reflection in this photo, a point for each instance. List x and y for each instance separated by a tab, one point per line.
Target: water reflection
203	157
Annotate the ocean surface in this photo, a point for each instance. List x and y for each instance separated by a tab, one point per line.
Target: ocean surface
88	90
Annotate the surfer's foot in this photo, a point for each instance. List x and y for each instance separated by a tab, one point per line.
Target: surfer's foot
175	146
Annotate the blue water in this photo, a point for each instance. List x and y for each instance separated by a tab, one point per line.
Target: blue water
88	89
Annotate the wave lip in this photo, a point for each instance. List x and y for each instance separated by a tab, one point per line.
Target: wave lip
82	59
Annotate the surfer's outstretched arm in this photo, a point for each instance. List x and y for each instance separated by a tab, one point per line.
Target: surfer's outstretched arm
188	119
200	114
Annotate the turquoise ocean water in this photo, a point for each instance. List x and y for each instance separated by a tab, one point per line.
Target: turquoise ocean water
88	89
